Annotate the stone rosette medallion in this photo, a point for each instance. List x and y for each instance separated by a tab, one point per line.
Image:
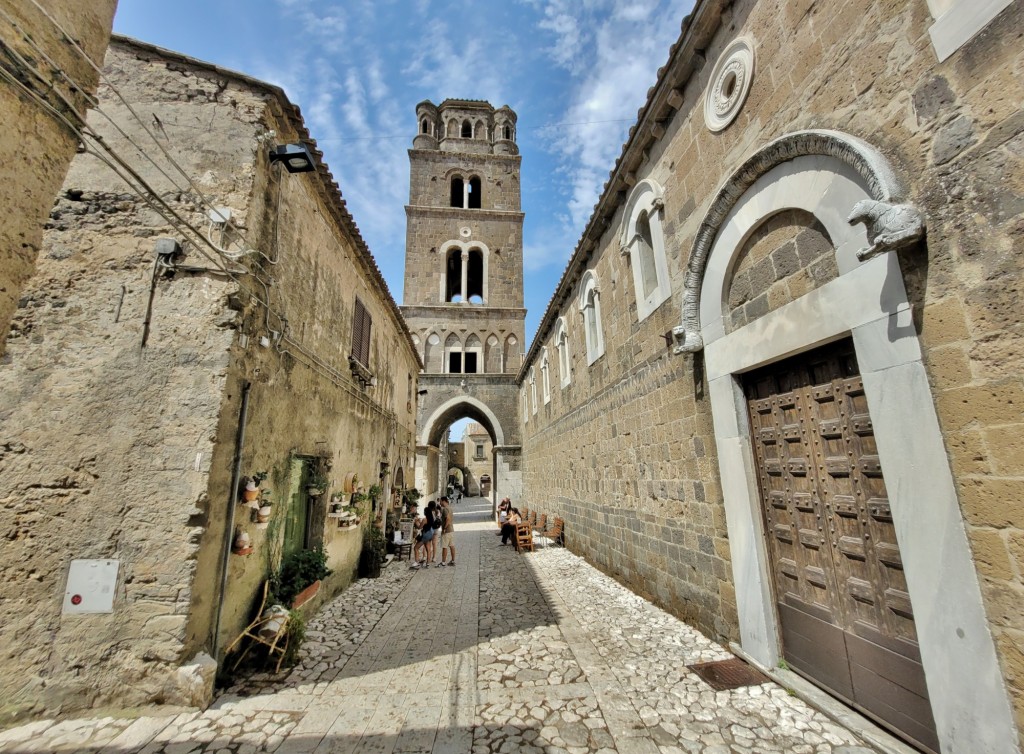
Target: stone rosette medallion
729	84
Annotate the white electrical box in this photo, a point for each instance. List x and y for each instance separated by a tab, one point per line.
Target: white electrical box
91	586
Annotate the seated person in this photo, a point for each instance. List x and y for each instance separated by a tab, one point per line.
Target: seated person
503	509
508	529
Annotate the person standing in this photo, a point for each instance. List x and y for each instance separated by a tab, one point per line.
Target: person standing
447	534
430	525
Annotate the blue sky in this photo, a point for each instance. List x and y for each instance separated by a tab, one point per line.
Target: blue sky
575	72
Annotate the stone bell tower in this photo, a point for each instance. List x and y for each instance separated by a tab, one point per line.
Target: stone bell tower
463	296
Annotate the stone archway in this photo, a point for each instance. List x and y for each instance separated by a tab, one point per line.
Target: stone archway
500	424
827	174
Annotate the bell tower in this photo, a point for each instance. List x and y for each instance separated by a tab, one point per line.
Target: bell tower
463	297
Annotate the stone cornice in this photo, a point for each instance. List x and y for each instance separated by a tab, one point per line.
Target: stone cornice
441	155
464	214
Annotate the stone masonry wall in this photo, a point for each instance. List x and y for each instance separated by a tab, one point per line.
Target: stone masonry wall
955	131
114	378
38	148
120	438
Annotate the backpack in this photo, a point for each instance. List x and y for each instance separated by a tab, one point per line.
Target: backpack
439	520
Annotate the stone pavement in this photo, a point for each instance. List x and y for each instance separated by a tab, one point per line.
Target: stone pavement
502	653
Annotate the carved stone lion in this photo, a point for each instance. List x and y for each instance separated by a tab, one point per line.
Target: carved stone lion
889	226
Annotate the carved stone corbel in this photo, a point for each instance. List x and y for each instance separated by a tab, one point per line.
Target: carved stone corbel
889	226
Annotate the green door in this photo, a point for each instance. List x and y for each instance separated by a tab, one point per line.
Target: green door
296	524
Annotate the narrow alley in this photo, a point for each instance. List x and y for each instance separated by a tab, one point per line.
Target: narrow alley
505	652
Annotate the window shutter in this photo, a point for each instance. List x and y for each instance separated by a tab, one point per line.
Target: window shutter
361	326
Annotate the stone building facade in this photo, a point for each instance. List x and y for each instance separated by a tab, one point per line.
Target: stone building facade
37	144
175	341
778	388
463	297
478	457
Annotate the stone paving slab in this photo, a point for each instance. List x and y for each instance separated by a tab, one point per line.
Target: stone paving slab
506	652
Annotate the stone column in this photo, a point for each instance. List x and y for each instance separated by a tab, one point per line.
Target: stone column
465	275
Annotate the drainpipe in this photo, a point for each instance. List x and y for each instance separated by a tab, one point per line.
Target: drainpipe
229	530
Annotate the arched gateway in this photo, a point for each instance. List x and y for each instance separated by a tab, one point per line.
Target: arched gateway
464	284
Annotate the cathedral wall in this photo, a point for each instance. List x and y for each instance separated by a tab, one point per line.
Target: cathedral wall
647	506
38	148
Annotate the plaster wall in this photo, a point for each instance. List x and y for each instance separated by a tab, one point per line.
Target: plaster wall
37	147
953	131
121	440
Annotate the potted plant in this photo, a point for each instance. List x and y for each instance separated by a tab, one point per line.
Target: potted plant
371	559
251	491
298	571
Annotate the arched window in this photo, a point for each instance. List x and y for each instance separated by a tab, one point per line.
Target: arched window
492	355
475	193
526	407
457	192
480	130
432	355
643	240
425	126
467	130
508	133
453	127
590	308
562	344
453	276
645	251
464	278
545	376
453	355
533	390
472	355
511	357
475	277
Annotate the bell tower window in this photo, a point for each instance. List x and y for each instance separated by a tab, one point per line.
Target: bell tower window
458	192
475	194
467	130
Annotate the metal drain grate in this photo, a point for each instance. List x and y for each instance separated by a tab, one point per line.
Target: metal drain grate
728	674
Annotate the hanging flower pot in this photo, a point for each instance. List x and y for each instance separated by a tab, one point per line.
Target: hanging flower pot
251	492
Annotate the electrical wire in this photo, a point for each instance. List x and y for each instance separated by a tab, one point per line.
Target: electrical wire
74	44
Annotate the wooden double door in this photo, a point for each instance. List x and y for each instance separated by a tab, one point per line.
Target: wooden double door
846	619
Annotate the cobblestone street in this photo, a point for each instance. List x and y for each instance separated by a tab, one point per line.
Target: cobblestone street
502	653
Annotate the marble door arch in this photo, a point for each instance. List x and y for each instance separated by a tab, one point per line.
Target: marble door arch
827	174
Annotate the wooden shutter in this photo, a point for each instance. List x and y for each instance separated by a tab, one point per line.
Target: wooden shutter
361	326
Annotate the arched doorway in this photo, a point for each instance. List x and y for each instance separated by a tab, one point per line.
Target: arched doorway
885	527
434	458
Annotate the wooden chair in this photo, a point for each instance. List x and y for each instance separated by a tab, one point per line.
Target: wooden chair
531	519
541	523
276	641
524	537
554	534
405	548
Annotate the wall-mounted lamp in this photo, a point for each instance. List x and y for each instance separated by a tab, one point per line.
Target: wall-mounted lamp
296	157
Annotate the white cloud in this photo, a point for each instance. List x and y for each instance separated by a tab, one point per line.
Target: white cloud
613	48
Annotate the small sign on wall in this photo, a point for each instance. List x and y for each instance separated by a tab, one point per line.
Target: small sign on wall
91	586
